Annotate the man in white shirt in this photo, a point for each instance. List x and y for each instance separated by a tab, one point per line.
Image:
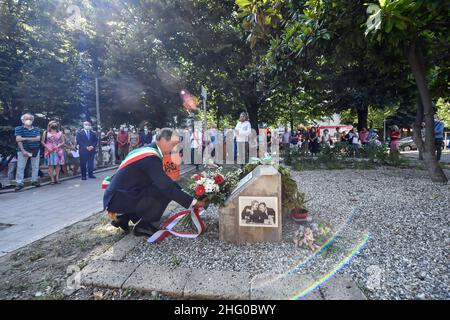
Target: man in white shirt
196	147
242	132
286	139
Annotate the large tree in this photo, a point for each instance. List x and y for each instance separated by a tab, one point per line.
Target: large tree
327	38
413	31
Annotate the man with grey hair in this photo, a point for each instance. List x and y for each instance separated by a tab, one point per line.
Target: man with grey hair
242	130
140	190
28	143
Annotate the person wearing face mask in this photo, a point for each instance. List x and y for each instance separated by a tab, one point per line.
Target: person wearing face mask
133	139
28	142
146	137
87	142
111	142
53	141
71	153
122	143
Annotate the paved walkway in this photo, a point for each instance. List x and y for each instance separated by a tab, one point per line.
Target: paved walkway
33	214
37	213
414	155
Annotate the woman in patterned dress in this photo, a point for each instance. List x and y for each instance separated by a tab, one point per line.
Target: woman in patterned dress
53	142
134	140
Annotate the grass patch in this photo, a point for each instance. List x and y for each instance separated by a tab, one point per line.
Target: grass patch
36	255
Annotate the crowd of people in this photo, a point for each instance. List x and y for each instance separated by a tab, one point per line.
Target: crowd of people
69	150
310	141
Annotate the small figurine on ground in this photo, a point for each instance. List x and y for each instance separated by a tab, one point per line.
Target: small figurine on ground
305	236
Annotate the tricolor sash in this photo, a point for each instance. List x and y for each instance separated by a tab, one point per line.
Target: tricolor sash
171	222
132	157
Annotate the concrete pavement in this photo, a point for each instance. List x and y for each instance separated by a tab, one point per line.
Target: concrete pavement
33	214
414	155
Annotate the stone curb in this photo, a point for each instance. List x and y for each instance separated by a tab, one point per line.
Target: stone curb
189	283
119	250
107	274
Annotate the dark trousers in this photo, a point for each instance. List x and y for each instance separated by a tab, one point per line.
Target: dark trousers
438	145
148	210
87	163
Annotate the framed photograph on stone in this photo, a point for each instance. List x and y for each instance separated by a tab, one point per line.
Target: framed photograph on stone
258	211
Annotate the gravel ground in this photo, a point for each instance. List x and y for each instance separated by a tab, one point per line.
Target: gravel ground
207	252
407	219
404	216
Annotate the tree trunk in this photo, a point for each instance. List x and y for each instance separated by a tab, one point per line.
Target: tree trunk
291	120
417	64
363	113
417	127
252	109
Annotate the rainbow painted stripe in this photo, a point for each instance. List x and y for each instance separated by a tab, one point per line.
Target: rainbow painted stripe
132	157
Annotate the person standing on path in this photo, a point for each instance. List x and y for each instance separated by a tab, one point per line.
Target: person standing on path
395	137
269	141
72	156
87	141
326	138
286	139
53	142
338	135
28	142
242	131
363	136
196	147
122	143
438	136
146	137
314	141
134	140
111	139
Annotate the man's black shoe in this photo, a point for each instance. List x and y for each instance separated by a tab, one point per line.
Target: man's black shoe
92	177
122	223
18	187
144	231
83	178
36	184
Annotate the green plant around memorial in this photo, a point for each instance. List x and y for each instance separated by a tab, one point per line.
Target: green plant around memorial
342	155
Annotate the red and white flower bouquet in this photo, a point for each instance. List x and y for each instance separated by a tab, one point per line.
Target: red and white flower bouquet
211	185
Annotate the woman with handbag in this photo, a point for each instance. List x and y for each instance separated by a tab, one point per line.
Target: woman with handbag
53	141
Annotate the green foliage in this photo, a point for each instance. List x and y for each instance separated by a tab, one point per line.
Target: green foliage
443	110
7	140
341	155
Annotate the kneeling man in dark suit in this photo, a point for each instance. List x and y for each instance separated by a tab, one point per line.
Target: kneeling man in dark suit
141	190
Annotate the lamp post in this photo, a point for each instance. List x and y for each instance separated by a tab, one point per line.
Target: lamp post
97	106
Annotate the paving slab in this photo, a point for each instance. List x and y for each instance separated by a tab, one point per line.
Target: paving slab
341	287
108	274
147	277
282	287
206	284
121	248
